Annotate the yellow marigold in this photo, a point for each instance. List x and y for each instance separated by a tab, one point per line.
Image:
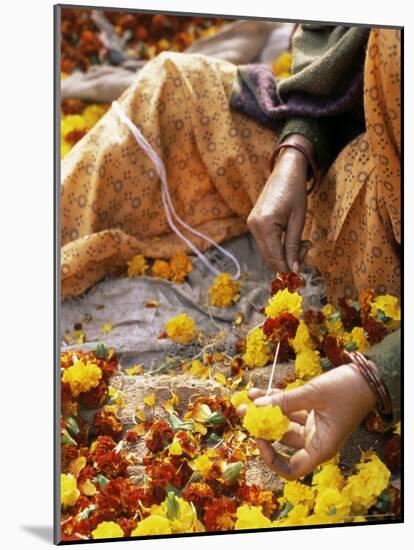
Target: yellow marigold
297	516
202	464
175	449
251	517
296	384
265	422
161	269
258	351
81	377
389	306
240	398
180	266
181	329
284	302
332	324
296	492
199	369
364	488
302	340
331	502
359	337
106	530
181	514
137	266
397	428
224	292
308	364
69	492
328	476
92	113
152	525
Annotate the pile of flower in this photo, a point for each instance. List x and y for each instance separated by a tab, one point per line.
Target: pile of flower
176	269
196	460
145	36
77	118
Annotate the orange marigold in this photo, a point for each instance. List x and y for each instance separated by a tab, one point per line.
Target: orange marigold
161	269
180	266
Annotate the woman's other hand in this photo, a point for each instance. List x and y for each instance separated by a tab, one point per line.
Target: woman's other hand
281	209
323	414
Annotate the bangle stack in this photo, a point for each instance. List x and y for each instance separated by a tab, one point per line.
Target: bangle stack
305	153
370	373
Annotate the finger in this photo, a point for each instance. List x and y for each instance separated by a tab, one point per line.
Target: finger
241	410
276	260
274	460
254	393
300	417
294	437
291	401
305	247
293	239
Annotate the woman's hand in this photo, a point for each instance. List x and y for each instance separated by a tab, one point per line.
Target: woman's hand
323	414
281	208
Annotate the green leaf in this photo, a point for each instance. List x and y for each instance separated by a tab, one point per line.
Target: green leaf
173	506
213	438
101	480
332	511
66	439
325	363
351	346
101	351
286	510
72	425
334	317
215	418
232	471
178	425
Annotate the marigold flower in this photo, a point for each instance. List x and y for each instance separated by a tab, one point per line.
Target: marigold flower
284	326
199	369
359	337
389	306
224	292
307	364
290	280
199	494
202	465
81	377
367	484
376	331
182	515
159	435
180	266
220	514
265	422
181	329
397	428
328	476
251	517
284	302
255	496
107	529
258	351
137	266
331	502
302	340
69	492
298	515
152	525
296	492
161	269
240	398
283	65
295	384
106	423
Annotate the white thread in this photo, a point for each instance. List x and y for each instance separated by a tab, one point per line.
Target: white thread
269	387
166	198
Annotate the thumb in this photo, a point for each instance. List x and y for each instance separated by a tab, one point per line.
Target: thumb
293	239
290	401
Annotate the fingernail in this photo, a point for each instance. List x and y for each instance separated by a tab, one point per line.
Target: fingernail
296	267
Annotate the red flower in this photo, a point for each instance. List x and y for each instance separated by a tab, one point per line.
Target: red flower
199	494
289	280
131	436
375	330
68	453
350	315
159	436
257	497
333	351
314	320
365	300
127	525
284	326
106	423
106	459
220	514
94	398
392	453
236	366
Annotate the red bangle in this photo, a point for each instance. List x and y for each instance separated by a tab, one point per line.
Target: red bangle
368	370
305	153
